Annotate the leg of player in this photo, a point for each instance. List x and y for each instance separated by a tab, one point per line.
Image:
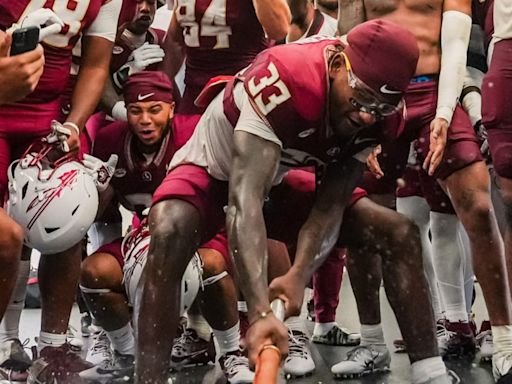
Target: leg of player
219	306
326	285
175	234
58	281
14	361
113	349
397	241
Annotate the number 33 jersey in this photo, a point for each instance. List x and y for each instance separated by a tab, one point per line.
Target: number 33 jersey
221	37
77	15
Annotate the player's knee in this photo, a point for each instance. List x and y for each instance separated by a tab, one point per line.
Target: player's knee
404	234
213	263
96	271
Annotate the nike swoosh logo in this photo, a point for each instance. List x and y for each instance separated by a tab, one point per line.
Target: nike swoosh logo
144	97
385	89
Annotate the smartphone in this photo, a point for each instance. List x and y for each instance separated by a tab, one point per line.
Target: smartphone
24	40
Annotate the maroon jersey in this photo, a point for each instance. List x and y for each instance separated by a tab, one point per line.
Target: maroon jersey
134	179
77	16
221	38
123	48
292	99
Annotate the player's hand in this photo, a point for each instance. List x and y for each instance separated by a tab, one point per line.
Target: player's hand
19	74
289	288
144	56
438	137
373	162
64	136
481	134
46	20
266	331
100	171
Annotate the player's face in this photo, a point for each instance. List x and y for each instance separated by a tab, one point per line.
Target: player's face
143	16
345	118
353	105
149	120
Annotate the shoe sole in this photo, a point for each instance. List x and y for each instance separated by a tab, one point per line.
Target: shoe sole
293	376
376	371
183	364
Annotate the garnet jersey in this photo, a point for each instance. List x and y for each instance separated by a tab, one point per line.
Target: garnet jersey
135	179
221	38
125	45
282	102
292	99
77	16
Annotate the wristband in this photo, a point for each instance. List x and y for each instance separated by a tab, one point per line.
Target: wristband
72	125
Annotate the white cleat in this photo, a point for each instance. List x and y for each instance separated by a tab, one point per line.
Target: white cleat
299	361
363	360
236	368
99	351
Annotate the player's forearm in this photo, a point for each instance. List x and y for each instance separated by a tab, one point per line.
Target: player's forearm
94	70
350	14
274	16
86	94
248	243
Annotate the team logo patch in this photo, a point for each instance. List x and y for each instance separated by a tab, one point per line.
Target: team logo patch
120	172
117	50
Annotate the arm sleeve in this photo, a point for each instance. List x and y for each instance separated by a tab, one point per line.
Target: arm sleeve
105	24
455	32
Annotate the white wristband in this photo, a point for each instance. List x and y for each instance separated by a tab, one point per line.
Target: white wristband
72	125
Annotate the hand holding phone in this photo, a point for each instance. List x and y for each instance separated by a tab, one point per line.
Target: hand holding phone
24	40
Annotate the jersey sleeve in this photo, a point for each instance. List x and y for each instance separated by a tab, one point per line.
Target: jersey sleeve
105	24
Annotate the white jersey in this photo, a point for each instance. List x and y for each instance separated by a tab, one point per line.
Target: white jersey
211	143
502	20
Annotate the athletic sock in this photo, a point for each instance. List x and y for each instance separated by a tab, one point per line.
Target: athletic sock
122	340
427	369
199	324
228	340
322	329
372	334
47	339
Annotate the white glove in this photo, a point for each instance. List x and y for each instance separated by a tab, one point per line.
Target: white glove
119	111
44	18
139	59
100	171
60	134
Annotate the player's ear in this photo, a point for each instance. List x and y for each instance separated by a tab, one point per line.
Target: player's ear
336	64
171	110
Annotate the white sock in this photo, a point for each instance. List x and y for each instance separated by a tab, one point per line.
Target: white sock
122	340
47	339
427	369
10	325
502	338
228	340
372	334
199	324
417	209
468	273
322	329
295	323
448	260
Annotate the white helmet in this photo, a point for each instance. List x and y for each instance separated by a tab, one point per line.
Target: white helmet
55	202
135	251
